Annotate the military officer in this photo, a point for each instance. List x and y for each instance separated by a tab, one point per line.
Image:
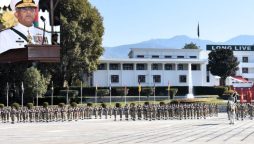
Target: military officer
24	32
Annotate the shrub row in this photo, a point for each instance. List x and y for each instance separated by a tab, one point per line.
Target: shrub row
146	91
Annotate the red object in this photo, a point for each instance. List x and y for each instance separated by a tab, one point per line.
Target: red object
241	97
250	96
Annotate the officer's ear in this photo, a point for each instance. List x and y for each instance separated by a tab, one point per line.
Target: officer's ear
16	14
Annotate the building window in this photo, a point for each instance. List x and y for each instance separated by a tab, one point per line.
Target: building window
127	66
245	70
168	56
156	78
207	76
169	67
207	79
140	56
182	79
102	66
245	59
155	56
142	78
195	67
114	78
114	66
141	67
156	66
180	56
180	66
193	57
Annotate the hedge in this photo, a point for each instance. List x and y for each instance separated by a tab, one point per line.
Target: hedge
133	91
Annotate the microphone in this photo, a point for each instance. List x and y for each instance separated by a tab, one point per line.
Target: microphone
43	38
43	19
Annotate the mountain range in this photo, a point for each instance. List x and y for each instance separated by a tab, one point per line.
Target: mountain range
177	42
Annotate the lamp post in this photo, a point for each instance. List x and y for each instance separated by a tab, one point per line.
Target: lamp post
7	94
37	89
52	93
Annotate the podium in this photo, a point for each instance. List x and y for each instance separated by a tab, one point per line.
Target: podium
37	53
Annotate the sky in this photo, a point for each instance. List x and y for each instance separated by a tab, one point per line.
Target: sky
133	21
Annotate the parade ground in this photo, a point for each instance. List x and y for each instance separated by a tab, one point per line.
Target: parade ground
214	130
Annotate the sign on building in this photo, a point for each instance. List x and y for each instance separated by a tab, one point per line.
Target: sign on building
231	47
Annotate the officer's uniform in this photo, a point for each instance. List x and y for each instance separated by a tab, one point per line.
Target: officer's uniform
10	39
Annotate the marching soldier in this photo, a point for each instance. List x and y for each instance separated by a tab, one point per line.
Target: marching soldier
115	109
100	111
95	110
105	110
120	110
126	112
139	110
13	115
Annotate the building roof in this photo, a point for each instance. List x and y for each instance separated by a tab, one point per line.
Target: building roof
149	60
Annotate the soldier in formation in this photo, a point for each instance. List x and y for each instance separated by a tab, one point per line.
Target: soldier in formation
128	112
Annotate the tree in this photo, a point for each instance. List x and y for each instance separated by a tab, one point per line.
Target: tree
34	83
223	63
81	38
190	46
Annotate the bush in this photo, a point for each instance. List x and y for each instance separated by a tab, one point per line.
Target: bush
30	105
74	104
104	105
15	105
162	103
1	105
45	104
118	105
147	91
89	104
61	105
188	101
132	104
103	92
146	103
229	92
71	93
121	91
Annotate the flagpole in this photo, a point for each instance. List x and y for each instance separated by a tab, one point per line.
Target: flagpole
139	90
138	97
125	93
168	91
67	96
22	95
110	93
95	98
154	93
81	101
7	94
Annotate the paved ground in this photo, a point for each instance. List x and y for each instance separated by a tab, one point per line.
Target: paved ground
101	131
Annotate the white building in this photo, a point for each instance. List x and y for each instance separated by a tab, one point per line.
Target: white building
178	67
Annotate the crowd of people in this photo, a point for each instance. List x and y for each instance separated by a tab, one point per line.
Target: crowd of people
243	111
132	112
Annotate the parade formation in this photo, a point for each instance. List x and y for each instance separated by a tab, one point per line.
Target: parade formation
149	112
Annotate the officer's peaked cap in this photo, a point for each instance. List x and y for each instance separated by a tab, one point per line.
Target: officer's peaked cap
23	3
